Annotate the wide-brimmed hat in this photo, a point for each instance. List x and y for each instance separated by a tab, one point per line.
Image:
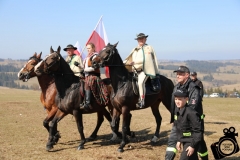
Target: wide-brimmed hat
181	93
141	35
70	46
183	69
193	73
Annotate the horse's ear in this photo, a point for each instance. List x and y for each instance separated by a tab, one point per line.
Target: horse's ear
39	56
108	44
35	54
59	49
51	50
115	45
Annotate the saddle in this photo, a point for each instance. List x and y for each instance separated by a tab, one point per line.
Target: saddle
152	86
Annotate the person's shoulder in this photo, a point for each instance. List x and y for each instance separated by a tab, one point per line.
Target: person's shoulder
193	85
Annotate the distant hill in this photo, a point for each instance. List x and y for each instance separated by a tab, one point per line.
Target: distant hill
213	73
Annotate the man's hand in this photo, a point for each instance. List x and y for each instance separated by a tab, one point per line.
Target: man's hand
190	151
76	63
178	146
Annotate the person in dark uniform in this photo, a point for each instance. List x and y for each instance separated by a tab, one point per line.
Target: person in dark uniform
198	82
195	102
189	127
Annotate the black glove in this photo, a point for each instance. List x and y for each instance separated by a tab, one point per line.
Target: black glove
76	63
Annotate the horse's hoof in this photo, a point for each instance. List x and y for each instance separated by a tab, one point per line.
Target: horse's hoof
120	150
154	140
56	138
80	147
49	147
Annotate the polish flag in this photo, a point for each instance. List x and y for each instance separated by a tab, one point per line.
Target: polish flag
99	38
79	51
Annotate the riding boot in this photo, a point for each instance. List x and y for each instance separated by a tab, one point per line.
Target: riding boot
87	106
141	104
156	85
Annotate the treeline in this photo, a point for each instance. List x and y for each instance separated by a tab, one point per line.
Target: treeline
8	68
221	91
200	66
8	74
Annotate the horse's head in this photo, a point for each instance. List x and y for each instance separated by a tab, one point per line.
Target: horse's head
27	71
105	56
50	63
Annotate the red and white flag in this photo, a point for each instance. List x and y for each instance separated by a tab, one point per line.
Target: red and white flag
79	51
99	38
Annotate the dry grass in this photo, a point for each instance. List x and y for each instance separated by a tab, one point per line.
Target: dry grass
22	135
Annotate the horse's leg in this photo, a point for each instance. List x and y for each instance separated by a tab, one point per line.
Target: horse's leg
115	125
78	117
125	127
100	119
46	121
99	122
129	133
52	128
158	119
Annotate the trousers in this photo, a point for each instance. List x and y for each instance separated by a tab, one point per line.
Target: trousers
171	148
142	78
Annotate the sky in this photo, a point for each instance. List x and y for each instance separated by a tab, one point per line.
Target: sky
178	30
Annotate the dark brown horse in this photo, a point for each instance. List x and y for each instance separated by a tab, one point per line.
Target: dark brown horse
68	96
48	94
123	97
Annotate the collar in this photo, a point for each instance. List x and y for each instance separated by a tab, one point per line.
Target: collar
182	110
185	85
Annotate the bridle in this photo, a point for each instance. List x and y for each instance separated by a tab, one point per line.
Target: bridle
27	76
104	61
47	68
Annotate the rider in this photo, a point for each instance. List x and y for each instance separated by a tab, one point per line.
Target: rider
74	61
144	61
92	80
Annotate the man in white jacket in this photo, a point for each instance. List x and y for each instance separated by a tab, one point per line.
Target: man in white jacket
144	61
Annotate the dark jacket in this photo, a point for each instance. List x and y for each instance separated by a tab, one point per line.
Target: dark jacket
199	83
195	100
189	126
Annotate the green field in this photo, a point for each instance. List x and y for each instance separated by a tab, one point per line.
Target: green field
22	135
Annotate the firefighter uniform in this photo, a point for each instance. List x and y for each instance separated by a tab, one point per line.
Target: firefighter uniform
189	130
195	102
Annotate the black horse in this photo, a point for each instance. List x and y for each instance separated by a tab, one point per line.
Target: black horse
68	95
124	98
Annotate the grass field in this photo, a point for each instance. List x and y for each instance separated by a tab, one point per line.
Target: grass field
22	135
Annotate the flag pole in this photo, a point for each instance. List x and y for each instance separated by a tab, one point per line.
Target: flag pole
93	30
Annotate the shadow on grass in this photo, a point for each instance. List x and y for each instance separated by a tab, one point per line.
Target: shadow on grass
215	122
208	133
142	140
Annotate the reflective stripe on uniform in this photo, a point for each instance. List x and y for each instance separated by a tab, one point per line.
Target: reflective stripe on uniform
202	116
203	154
172	149
175	117
187	134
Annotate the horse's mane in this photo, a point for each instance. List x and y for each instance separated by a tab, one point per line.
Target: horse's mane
64	78
34	57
